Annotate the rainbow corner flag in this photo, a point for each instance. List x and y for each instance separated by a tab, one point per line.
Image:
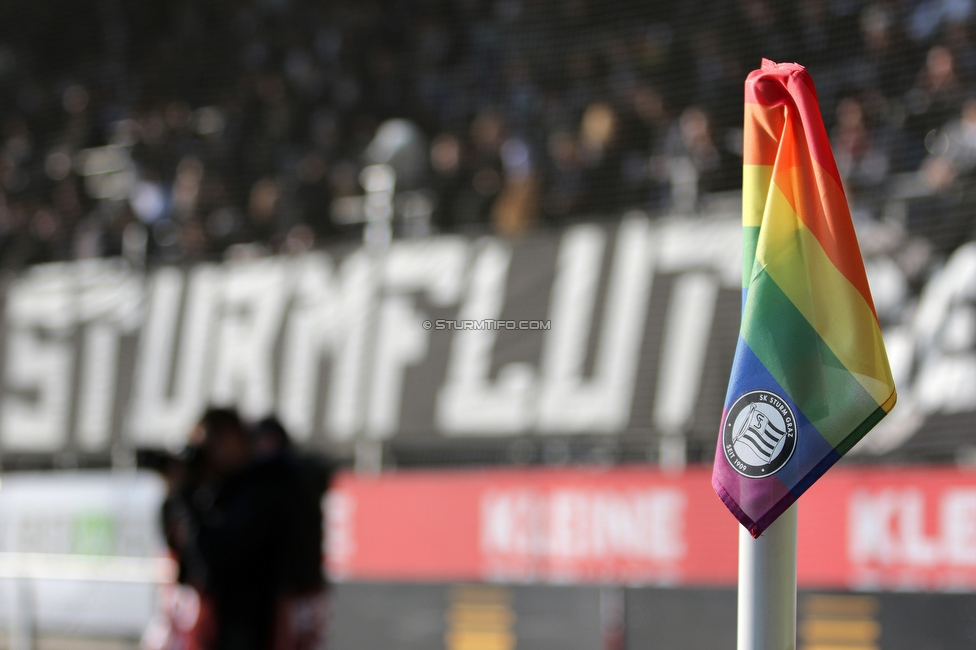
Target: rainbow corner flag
810	375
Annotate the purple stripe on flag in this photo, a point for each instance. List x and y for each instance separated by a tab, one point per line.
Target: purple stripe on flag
759	496
770	496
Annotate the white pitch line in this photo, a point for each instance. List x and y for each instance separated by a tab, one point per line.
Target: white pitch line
93	568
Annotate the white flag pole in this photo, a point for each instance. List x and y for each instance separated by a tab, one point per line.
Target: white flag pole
767	586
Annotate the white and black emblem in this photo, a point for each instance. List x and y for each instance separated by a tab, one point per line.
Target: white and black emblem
759	434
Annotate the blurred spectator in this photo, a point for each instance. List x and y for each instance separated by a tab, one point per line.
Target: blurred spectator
952	150
861	156
599	150
949	171
517	206
933	100
693	159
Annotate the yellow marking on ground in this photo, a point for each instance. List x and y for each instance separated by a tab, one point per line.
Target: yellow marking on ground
838	622
479	617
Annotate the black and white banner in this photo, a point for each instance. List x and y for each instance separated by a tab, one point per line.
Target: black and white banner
609	329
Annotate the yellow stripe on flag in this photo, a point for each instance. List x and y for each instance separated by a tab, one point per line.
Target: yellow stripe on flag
837	311
755	187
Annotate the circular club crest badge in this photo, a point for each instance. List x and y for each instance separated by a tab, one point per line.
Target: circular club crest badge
759	434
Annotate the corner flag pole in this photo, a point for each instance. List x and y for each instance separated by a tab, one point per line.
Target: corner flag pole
767	586
810	373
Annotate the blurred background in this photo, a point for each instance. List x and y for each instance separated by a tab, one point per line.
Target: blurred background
312	209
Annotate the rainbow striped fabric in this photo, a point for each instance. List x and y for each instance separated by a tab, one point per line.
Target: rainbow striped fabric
810	375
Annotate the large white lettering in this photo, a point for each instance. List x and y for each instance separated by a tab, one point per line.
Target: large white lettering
111	303
469	402
329	317
687	330
569	403
167	399
252	310
38	361
435	267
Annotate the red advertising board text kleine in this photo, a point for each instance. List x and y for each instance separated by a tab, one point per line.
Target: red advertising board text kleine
878	528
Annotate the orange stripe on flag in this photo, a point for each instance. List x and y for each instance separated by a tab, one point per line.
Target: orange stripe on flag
763	130
821	204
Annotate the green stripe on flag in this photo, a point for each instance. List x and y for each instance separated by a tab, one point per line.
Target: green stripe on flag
750	240
793	352
876	416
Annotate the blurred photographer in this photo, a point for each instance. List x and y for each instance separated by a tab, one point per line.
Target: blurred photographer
221	520
301	589
243	518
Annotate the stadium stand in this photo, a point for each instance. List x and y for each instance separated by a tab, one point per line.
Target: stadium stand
215	124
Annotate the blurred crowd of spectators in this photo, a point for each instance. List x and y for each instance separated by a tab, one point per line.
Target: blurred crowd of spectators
191	128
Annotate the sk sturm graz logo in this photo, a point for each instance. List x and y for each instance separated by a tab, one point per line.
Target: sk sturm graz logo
759	434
